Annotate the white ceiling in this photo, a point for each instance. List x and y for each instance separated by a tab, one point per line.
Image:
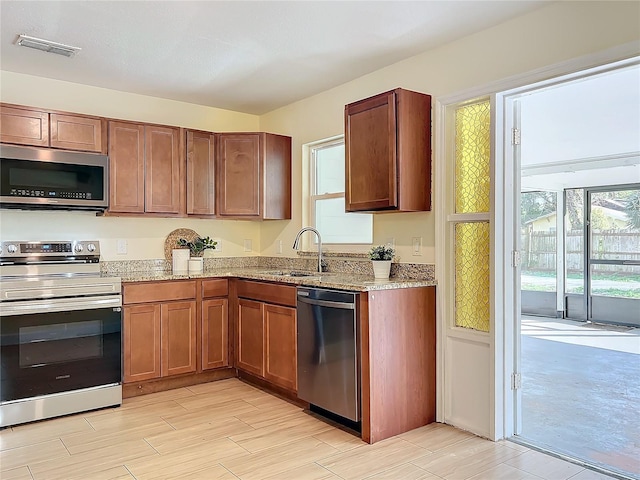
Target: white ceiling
245	56
582	133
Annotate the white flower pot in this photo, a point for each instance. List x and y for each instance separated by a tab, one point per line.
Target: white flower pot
196	265
381	268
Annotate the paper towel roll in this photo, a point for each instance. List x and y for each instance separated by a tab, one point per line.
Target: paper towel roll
181	260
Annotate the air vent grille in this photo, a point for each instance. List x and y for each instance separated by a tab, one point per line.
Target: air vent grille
47	46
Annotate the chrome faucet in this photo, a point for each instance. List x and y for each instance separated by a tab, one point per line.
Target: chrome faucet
296	244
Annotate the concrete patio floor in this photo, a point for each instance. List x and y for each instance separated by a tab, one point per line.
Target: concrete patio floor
581	391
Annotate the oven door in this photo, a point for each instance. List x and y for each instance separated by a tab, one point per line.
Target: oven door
59	345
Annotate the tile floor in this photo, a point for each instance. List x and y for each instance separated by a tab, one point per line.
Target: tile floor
230	430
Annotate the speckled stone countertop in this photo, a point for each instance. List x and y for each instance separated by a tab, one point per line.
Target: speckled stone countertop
342	281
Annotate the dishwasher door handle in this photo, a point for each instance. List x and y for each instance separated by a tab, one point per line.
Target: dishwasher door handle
327	303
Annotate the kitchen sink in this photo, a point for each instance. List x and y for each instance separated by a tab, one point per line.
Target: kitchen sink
293	273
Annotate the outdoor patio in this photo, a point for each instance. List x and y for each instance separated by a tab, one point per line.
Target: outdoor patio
581	391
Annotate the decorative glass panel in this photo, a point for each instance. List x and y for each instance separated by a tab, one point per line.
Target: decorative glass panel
472	275
473	138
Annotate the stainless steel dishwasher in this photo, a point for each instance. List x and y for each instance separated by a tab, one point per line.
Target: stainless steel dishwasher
328	346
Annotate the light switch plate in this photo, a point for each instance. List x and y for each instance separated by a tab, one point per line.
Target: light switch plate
121	247
279	248
416	246
248	245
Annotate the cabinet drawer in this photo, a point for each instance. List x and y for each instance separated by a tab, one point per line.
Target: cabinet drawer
215	288
158	291
268	292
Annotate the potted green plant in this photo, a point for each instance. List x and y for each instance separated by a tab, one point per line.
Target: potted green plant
198	245
381	257
197	248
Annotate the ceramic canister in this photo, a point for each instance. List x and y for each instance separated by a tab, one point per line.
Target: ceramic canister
181	260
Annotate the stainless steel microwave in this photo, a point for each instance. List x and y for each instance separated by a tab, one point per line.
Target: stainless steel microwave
40	178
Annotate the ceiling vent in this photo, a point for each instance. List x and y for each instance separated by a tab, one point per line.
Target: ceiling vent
47	46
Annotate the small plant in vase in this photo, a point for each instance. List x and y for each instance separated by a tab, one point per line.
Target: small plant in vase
197	248
198	245
381	257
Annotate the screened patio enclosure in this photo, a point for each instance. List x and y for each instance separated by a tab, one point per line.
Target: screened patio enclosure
580	254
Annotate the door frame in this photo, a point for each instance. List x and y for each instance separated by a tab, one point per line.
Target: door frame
505	322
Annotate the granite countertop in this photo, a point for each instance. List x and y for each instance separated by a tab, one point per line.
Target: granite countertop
343	281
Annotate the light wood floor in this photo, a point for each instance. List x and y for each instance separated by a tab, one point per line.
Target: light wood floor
229	430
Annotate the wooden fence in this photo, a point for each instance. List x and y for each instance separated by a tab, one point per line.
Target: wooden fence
539	251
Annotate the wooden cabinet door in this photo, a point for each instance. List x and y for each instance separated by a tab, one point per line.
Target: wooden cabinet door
280	346
24	127
239	174
76	133
126	167
250	337
370	154
178	338
215	336
141	338
162	170
200	173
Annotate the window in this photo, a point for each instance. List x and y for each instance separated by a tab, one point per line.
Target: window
327	198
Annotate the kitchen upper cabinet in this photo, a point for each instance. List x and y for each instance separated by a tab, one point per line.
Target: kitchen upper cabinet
40	128
254	175
77	133
126	167
24	127
146	174
200	173
388	153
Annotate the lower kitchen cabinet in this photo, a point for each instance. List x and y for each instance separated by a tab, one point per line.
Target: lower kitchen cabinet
280	358
141	337
266	332
178	334
251	336
398	361
159	337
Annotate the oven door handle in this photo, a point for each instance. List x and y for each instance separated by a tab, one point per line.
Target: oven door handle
8	309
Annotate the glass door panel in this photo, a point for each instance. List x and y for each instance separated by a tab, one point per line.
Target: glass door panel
539	255
614	255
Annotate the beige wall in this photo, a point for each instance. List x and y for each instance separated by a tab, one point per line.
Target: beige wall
555	33
552	34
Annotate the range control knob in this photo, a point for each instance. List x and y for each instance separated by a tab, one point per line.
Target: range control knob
78	248
91	247
12	248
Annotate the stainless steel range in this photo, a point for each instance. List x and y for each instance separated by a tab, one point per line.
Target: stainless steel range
60	331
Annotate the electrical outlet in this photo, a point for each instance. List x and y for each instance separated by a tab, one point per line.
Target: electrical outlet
391	242
248	245
121	247
279	248
416	249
